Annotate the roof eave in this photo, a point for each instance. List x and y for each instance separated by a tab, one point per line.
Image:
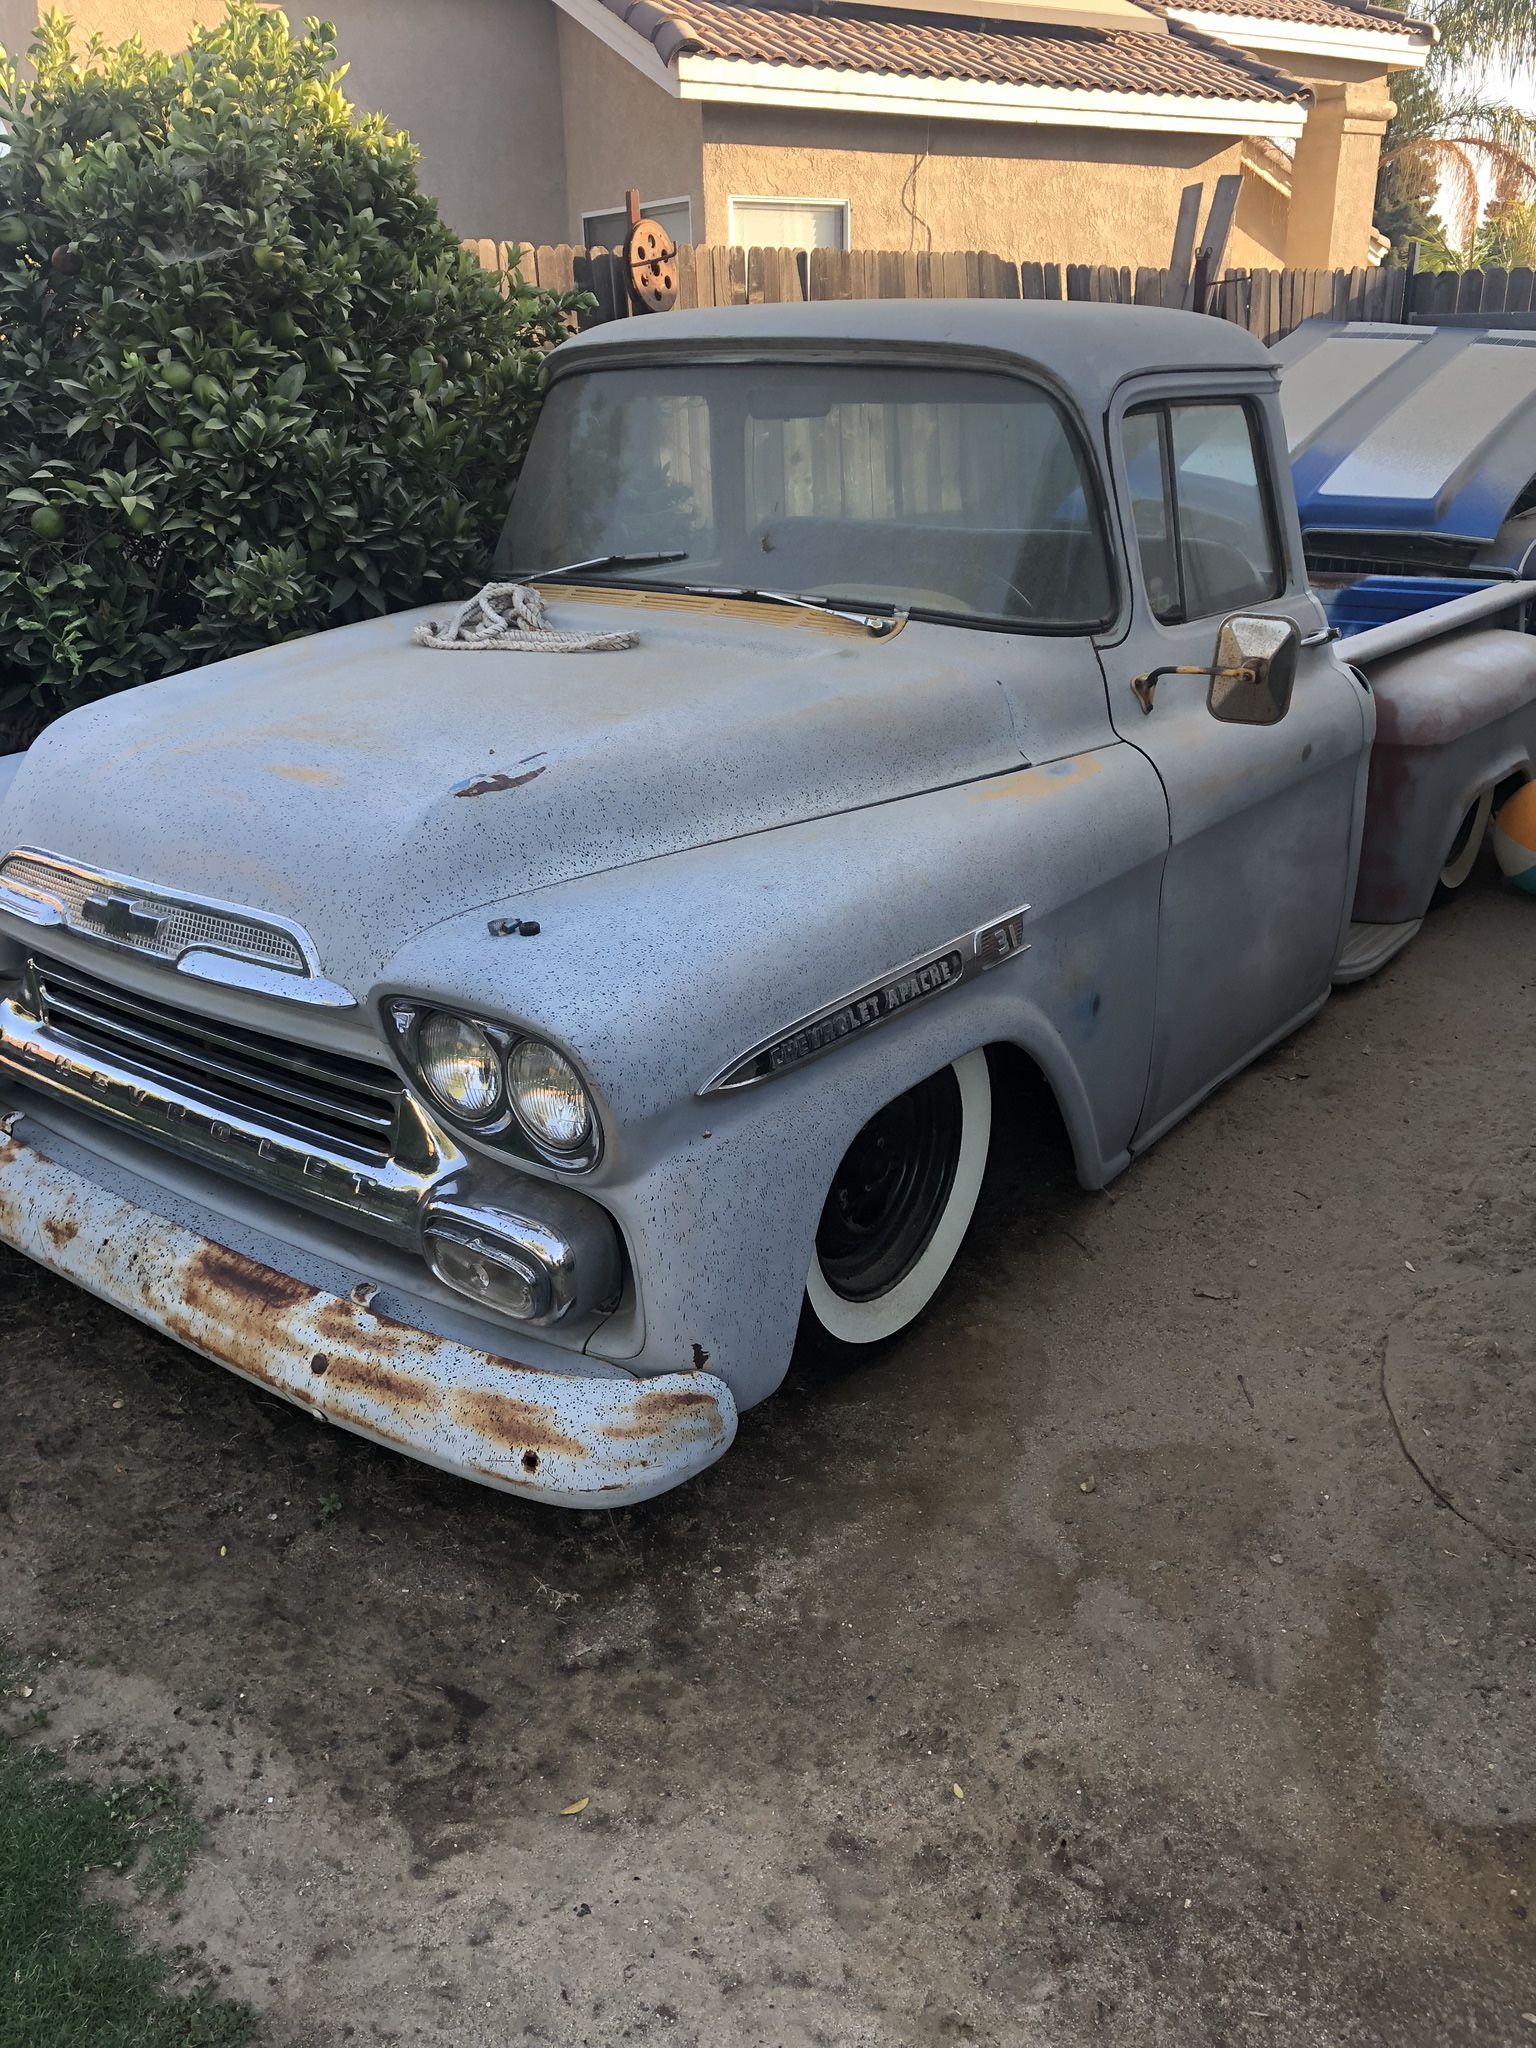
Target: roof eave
624	41
734	81
1384	46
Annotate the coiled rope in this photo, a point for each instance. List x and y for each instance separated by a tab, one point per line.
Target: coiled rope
511	616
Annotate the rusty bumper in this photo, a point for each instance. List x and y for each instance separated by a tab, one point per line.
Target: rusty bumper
587	1437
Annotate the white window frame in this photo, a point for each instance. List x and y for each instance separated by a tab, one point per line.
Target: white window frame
647	206
750	199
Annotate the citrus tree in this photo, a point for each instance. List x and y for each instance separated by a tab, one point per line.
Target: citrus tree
250	385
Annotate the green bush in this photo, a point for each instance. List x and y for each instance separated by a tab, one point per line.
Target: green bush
250	385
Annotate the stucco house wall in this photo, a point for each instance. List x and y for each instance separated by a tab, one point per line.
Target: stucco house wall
17	18
620	130
1337	161
475	84
1259	230
472	82
1048	195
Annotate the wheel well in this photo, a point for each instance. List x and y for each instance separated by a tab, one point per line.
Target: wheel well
1027	1116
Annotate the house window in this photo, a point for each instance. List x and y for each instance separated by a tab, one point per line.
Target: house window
789	223
607	230
1200	502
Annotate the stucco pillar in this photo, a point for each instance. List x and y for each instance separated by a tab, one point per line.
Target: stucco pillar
1333	182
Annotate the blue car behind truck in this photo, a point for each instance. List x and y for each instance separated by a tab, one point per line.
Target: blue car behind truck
1413	451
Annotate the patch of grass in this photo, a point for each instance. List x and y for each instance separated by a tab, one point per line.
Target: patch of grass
70	1976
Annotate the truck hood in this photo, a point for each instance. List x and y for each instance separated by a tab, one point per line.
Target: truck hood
369	788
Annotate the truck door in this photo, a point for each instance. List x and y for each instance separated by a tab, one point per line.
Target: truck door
1264	819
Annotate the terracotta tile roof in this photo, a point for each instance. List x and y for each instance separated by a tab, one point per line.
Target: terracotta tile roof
1313	14
988	52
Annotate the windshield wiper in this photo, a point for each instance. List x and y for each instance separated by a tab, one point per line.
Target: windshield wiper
877	624
604	562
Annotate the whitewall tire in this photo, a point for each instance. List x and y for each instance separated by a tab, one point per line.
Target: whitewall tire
899	1207
1468	843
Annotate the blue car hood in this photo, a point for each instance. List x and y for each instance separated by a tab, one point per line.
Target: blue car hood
1411	430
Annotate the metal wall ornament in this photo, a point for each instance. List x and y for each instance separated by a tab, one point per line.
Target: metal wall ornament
650	261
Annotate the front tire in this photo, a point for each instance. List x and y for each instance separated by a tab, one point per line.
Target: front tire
899	1207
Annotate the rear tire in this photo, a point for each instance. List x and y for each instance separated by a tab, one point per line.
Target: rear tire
898	1210
1465	847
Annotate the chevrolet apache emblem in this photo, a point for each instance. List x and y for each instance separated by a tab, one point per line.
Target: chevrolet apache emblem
988	946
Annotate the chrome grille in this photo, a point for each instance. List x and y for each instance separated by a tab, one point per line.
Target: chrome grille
298	1090
164	927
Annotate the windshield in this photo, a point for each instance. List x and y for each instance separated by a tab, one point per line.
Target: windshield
960	493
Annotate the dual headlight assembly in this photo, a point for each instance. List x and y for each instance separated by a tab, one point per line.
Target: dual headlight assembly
496	1082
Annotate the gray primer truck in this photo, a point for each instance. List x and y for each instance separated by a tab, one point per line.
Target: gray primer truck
505	1054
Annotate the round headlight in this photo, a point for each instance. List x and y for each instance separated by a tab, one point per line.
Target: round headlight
547	1094
458	1063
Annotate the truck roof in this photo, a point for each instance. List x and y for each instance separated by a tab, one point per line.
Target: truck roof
1087	348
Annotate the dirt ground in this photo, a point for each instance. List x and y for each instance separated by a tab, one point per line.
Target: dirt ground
1142	1654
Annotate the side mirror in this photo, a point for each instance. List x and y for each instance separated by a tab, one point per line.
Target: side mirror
1255	670
1253	674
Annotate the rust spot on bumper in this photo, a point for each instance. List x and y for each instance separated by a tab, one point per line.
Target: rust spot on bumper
660	1408
216	1275
518	1425
391	1390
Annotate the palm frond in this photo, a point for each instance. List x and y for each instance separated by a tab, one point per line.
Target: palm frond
1473	32
1456	171
1463	137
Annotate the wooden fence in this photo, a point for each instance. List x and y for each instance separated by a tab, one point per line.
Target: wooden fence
1269	303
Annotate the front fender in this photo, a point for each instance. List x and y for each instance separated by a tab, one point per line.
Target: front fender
656	977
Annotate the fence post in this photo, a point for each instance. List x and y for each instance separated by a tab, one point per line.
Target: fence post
1410	284
1179	262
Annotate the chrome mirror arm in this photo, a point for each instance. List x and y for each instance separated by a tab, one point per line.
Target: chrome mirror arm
1146	686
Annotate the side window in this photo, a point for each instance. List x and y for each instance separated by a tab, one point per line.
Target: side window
1201	508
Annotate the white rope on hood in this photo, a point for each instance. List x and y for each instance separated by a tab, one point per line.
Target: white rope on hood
510	616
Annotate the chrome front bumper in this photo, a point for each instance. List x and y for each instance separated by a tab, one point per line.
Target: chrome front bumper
552	1425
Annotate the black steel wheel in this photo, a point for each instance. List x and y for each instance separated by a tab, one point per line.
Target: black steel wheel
899	1205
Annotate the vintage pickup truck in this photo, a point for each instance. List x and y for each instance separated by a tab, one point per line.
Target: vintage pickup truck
504	1053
